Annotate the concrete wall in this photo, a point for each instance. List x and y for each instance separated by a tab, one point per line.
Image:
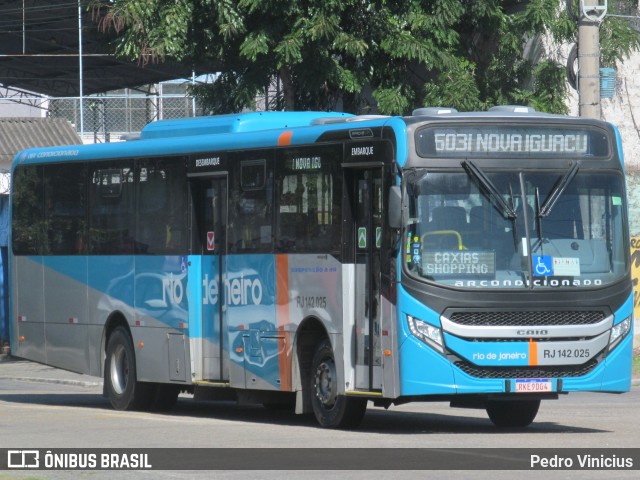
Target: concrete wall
623	110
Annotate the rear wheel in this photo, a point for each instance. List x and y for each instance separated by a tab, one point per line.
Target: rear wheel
330	409
514	414
123	389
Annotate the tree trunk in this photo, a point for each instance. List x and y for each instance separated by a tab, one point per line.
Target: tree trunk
349	103
287	89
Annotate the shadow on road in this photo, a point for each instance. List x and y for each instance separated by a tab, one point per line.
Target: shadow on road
376	421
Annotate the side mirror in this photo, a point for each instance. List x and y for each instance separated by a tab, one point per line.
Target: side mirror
395	207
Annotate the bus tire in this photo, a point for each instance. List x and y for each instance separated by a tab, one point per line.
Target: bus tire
330	409
123	389
512	414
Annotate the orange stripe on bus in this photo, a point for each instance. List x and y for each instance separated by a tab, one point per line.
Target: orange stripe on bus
285	138
282	315
533	354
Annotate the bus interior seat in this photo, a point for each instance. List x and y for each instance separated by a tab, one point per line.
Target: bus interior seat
482	224
478	215
449	218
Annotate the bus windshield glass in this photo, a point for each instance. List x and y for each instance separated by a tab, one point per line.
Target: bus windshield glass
476	228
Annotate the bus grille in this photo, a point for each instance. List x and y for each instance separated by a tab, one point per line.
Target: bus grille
526	319
527	372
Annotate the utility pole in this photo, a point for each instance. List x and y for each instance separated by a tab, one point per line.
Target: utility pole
592	13
80	69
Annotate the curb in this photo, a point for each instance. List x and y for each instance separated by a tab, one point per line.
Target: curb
58	381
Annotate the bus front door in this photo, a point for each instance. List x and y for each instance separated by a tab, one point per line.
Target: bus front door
207	323
367	210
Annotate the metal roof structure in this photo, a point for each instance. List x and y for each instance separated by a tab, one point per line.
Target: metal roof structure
39	52
17	134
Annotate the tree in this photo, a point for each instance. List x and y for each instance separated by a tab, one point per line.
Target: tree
372	56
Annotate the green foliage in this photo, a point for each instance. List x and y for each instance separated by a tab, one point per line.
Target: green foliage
374	55
454	88
549	90
393	100
231	92
617	41
151	30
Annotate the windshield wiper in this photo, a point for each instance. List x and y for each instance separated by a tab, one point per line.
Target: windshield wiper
557	191
489	190
538	219
491	193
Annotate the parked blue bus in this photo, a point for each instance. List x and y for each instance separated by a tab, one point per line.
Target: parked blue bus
323	261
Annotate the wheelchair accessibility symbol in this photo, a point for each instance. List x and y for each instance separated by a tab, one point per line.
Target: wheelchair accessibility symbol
543	265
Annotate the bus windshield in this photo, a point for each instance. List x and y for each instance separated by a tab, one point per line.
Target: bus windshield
480	228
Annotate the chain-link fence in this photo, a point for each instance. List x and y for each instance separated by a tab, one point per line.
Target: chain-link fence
112	116
109	117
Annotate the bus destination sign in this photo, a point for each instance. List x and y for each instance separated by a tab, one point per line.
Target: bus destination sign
497	141
459	263
206	163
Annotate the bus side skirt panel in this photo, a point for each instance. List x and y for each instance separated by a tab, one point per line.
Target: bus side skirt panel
28	310
67	312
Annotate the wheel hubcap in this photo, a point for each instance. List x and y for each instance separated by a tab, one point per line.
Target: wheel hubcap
119	368
326	388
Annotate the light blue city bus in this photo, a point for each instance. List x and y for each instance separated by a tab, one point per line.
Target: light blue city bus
324	261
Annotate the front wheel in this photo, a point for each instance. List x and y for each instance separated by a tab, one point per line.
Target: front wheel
514	414
331	409
123	389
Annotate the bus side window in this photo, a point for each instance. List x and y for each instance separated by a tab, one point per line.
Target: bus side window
308	201
65	204
162	201
250	207
112	209
28	231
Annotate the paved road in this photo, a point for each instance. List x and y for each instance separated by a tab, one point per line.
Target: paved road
46	408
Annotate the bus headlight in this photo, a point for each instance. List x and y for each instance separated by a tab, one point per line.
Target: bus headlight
429	334
619	331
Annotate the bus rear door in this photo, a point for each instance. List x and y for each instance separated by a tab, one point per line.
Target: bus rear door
207	325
